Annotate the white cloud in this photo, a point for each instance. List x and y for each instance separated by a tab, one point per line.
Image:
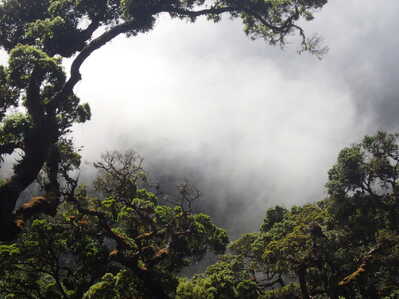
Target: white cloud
192	95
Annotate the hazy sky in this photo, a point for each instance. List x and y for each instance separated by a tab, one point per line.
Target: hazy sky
252	126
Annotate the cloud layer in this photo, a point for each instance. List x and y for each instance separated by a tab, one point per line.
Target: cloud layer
251	125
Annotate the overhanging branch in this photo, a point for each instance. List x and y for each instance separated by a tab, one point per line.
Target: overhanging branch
198	13
95	44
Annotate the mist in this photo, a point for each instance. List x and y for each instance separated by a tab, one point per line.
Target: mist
250	125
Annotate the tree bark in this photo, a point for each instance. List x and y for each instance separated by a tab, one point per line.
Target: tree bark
301	272
37	146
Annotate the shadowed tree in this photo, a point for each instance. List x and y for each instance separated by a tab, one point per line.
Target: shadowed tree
38	34
124	244
346	246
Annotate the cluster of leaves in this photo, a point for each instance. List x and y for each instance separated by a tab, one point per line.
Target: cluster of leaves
55	26
346	246
116	246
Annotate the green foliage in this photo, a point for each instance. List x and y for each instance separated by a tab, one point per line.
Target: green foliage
12	131
106	247
345	246
290	291
55	26
122	285
363	185
225	279
8	94
273	216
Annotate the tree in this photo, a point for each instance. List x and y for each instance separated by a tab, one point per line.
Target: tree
38	34
364	185
287	258
305	255
345	246
364	201
113	246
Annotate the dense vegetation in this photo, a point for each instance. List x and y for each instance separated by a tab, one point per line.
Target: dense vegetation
345	246
121	237
126	242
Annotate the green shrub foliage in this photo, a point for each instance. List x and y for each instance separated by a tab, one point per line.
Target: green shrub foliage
345	246
127	246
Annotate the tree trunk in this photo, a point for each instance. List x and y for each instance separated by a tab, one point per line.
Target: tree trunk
25	173
152	283
302	282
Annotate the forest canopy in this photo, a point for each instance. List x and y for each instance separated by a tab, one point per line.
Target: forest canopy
122	237
345	246
124	241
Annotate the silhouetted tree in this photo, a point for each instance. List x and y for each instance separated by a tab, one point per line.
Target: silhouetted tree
121	245
346	246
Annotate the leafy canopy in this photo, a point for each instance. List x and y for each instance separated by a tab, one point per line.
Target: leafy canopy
111	246
346	246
